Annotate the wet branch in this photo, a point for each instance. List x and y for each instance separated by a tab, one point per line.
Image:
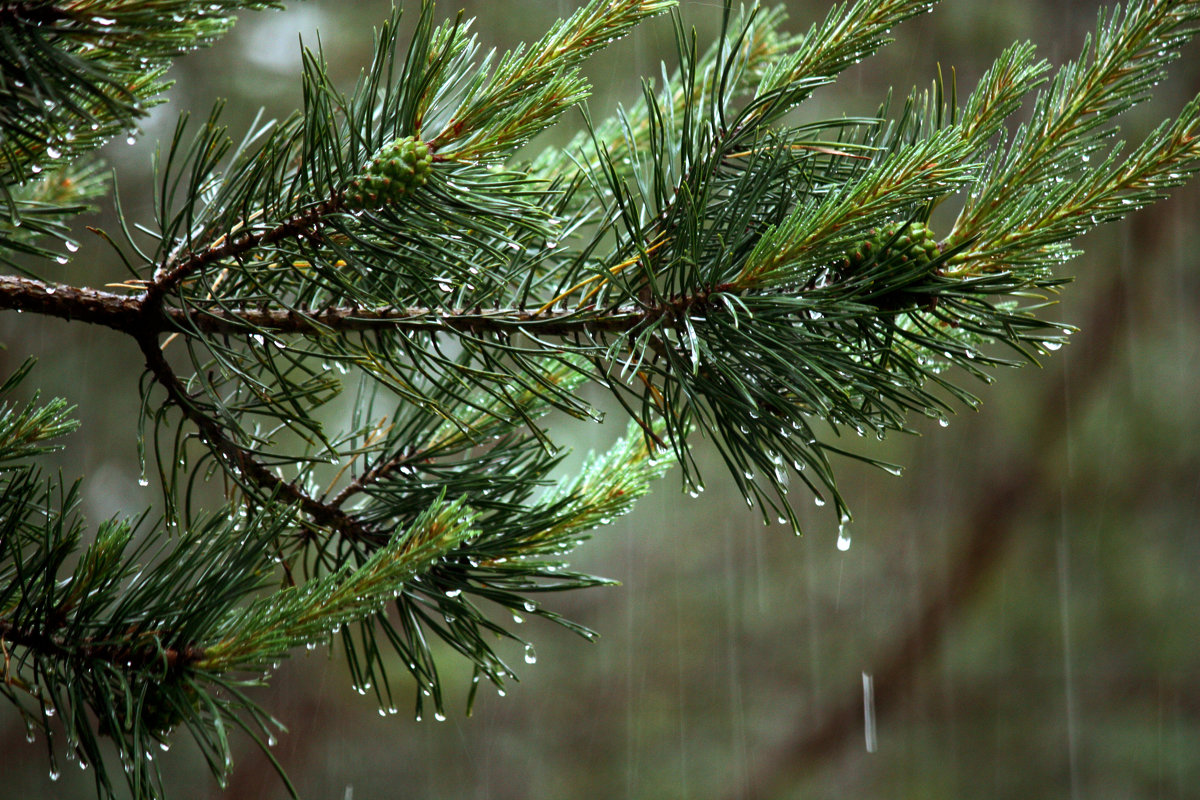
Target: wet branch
304	224
124	653
136	316
242	459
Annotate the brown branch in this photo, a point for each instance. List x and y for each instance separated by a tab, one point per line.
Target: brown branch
117	311
134	314
371	476
144	317
122	653
304	224
242	459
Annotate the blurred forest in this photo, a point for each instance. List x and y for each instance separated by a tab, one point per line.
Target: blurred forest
1023	602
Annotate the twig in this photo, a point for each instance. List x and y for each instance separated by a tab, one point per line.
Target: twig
133	314
242	459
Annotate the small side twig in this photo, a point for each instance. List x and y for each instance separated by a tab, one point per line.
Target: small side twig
244	461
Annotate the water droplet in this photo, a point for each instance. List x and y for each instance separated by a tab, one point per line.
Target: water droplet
54	774
143	482
453	592
943	422
843	540
818	500
530	655
53	151
439	716
72	246
517	618
61	260
530	607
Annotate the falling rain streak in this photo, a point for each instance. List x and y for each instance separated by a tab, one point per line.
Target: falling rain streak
869	712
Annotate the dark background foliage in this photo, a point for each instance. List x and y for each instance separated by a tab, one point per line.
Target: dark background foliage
1024	599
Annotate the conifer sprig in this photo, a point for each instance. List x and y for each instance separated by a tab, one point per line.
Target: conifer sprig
1072	120
724	271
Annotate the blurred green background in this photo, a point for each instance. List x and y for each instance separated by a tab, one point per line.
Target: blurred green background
1023	601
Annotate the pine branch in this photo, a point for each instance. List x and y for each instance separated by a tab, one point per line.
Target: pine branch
131	314
1126	56
721	271
239	457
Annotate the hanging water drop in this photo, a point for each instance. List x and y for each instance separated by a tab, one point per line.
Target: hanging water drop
530	655
843	540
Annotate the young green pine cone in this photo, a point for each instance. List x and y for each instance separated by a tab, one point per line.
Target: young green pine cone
398	168
913	249
916	244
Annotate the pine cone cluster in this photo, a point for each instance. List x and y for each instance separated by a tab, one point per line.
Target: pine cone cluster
915	244
398	168
914	248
